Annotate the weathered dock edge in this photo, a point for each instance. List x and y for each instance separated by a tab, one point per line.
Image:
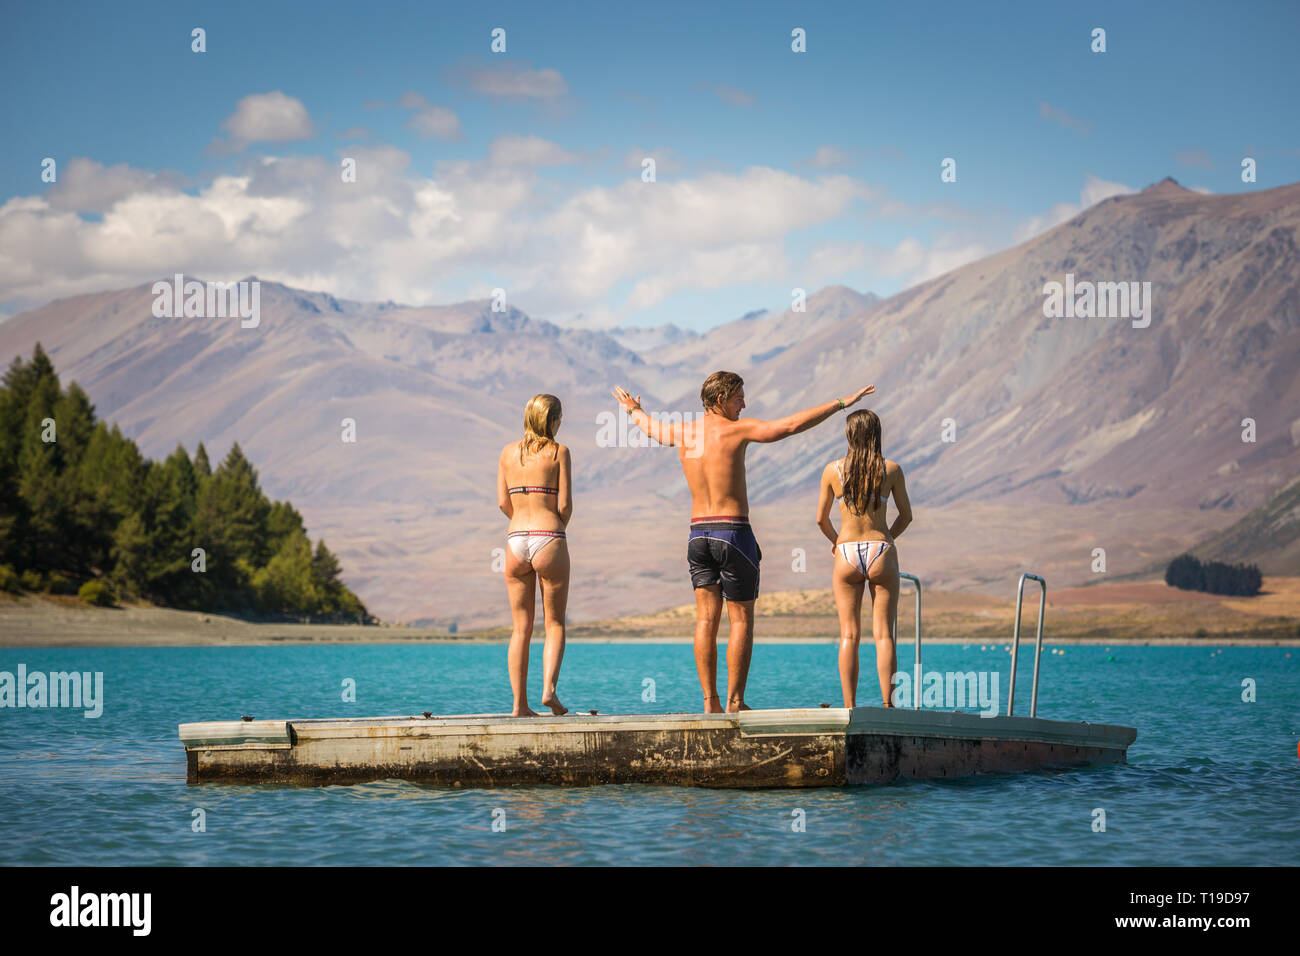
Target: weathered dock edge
806	747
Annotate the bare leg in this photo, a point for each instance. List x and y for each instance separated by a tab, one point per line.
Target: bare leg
522	588
740	644
708	612
847	583
552	566
884	604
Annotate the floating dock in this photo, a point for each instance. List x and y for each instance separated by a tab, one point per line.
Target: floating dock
808	747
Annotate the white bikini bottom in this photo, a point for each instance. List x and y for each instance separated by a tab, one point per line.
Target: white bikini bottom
525	545
863	554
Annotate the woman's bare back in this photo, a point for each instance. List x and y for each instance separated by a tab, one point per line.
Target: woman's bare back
534	487
871	525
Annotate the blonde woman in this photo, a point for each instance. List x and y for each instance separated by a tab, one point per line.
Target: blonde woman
864	550
535	493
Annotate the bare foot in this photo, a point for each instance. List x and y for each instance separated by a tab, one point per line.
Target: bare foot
712	705
553	702
735	706
523	712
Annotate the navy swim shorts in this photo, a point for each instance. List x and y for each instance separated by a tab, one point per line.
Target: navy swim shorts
724	551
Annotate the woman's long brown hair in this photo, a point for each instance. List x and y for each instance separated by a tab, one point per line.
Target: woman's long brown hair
864	465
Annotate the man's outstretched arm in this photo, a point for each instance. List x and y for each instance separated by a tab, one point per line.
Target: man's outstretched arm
778	428
664	433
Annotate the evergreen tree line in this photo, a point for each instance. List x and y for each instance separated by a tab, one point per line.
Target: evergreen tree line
87	507
1191	574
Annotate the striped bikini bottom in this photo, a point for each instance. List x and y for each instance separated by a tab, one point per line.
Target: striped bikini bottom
861	555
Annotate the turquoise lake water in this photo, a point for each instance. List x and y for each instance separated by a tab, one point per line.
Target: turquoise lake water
1210	780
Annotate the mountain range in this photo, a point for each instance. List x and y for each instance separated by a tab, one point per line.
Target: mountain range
1028	440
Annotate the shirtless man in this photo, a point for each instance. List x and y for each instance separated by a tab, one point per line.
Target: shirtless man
721	553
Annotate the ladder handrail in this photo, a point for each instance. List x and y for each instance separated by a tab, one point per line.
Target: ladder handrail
1015	641
916	683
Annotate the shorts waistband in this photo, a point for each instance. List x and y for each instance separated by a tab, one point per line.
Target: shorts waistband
729	519
720	523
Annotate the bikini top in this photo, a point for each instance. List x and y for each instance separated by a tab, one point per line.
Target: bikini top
839	470
535	489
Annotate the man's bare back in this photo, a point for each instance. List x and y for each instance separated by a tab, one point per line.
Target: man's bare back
712	454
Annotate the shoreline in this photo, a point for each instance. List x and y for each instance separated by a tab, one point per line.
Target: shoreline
1146	614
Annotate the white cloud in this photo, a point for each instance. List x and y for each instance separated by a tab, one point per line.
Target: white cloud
914	262
909	262
427	237
666	160
430	120
411	100
1063	119
1094	191
436	122
87	186
833	262
733	96
528	151
828	157
268	117
515	81
743	262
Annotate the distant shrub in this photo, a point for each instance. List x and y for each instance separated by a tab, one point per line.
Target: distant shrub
1185	572
9	580
56	583
96	593
31	580
1214	577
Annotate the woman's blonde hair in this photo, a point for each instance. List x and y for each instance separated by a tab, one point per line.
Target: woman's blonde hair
541	418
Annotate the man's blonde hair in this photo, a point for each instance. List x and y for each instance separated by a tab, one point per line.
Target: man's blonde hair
719	387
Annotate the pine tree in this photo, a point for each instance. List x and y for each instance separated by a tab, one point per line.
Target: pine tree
287	585
174	492
325	564
282	522
38	487
231	516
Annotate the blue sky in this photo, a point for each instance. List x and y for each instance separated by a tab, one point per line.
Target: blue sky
519	170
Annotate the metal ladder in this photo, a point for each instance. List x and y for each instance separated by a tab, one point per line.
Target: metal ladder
916	683
1015	641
